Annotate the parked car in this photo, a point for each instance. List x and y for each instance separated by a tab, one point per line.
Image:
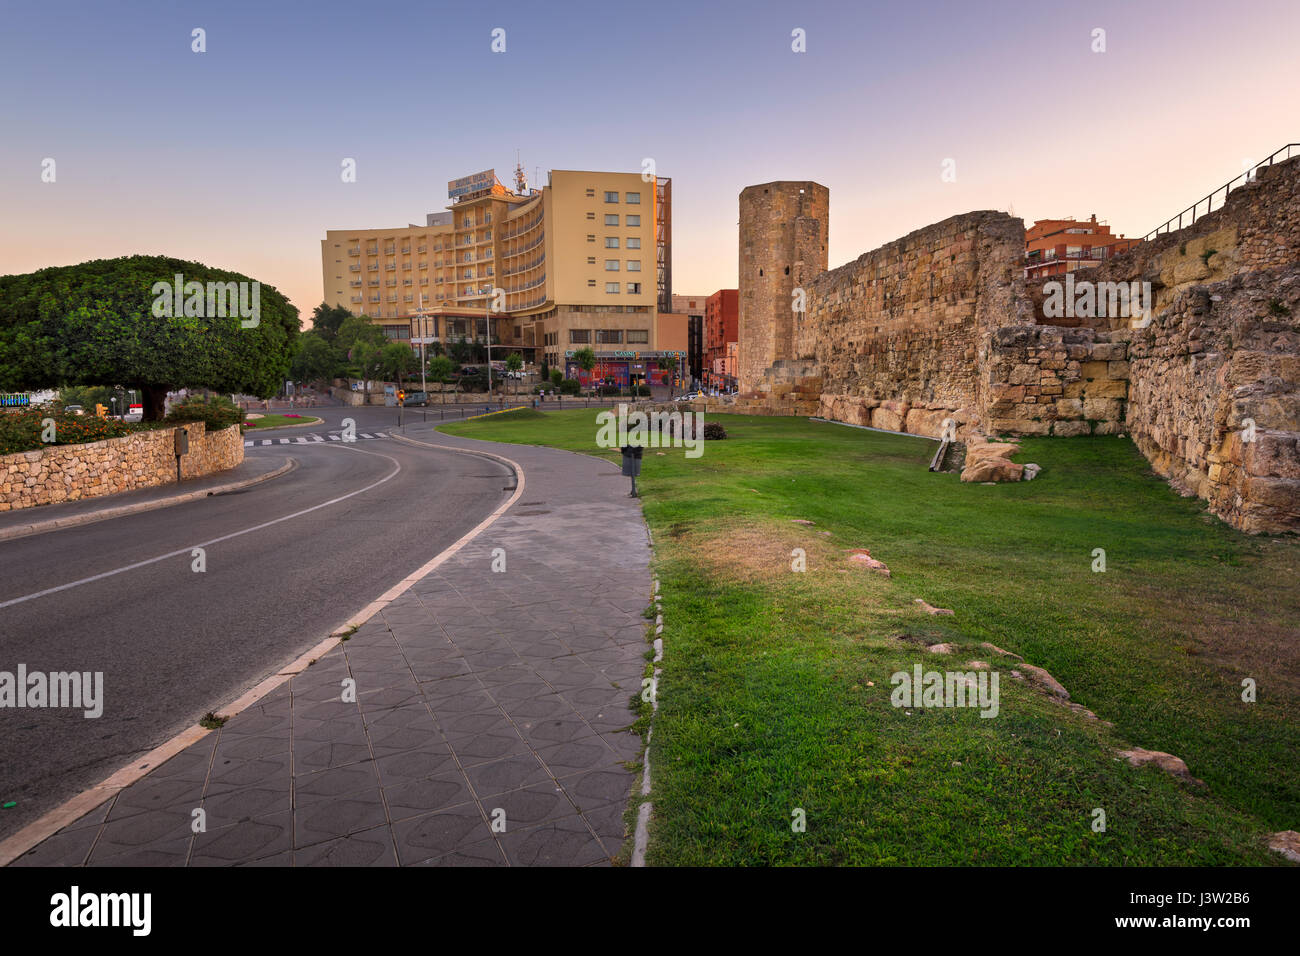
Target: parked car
74	409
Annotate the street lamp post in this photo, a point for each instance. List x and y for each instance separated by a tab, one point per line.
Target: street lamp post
487	313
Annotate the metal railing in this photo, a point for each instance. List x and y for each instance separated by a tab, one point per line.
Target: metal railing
1191	214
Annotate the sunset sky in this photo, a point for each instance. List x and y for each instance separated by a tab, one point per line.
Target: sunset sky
232	156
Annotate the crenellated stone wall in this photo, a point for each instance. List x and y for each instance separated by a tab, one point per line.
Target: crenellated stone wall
140	460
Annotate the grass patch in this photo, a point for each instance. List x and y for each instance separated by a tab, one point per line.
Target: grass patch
211	721
279	421
776	684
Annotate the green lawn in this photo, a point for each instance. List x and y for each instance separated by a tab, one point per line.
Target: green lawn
775	692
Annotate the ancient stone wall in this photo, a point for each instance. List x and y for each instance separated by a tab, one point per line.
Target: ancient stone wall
1049	380
899	333
139	460
940	325
1214	376
784	231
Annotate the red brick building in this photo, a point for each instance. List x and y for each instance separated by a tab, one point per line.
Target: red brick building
721	314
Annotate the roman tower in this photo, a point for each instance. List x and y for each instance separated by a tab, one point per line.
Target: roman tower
784	229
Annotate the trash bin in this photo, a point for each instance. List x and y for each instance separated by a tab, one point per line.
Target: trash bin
632	460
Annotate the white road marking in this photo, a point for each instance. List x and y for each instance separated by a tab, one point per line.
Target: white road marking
397	467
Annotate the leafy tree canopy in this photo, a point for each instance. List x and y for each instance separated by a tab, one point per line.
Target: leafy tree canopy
97	322
326	320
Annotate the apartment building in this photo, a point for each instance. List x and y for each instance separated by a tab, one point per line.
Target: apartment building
721	315
576	263
1057	246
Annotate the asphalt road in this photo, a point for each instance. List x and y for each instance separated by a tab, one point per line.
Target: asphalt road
173	643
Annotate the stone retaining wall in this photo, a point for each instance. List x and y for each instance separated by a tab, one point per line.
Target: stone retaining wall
140	460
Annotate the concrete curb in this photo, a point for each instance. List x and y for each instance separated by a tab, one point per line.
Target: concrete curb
641	838
72	810
57	524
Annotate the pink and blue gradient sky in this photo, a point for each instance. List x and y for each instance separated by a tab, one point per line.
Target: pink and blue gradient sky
232	156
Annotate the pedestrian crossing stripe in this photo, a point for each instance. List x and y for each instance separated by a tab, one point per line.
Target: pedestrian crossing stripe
308	439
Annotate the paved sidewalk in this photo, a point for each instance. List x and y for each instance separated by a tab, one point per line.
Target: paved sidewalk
481	696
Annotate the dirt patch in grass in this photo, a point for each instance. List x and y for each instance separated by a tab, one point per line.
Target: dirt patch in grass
755	552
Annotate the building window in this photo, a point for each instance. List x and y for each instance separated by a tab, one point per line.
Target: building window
611	219
634	265
634	197
634	242
611	265
591	193
638	336
591	283
611	242
591	260
634	288
579	336
591	238
611	288
609	336
611	197
632	220
591	215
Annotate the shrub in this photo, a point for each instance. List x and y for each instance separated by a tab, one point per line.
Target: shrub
476	381
712	430
21	430
569	386
609	390
215	412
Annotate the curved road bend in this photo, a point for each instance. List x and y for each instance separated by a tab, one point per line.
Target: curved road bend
173	643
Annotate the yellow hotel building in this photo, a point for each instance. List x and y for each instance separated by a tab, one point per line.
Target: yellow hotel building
582	261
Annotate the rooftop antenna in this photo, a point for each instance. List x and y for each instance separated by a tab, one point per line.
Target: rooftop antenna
521	181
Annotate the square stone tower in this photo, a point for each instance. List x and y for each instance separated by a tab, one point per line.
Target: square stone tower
784	230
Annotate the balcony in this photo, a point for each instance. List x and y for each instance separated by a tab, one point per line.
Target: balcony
354	268
354	251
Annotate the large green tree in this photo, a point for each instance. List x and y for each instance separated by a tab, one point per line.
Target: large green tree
316	360
356	330
440	369
107	321
326	320
396	361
